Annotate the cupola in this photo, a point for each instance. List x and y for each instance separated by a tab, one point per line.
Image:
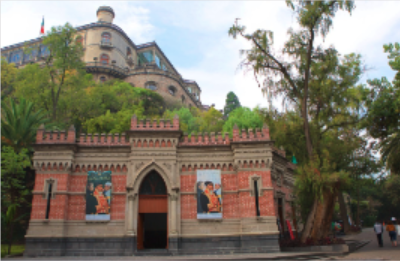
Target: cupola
105	14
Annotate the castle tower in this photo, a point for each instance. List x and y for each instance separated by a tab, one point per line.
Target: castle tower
105	14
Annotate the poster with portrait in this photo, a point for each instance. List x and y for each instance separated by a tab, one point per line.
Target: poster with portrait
209	196
98	195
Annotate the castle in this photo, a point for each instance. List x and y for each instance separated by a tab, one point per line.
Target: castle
109	53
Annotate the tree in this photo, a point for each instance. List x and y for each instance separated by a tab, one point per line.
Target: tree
320	86
8	74
383	112
13	190
244	118
62	74
231	103
19	124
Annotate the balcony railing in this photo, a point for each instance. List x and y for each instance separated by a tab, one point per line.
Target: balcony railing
106	44
114	70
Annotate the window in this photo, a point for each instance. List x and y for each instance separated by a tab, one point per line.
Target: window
164	67
16	57
44	51
172	90
189	89
128	51
153	184
183	99
106	38
103	79
104	59
256	197
158	61
151	85
148	56
79	40
49	189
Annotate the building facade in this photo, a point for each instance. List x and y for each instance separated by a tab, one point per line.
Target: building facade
153	171
109	53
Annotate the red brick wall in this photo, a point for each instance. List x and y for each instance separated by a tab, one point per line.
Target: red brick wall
58	207
234	205
76	207
118	207
188	207
73	207
38	207
62	181
77	183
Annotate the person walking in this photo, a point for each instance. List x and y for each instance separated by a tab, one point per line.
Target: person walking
378	228
392	233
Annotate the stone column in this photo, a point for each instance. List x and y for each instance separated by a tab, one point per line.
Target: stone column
131	230
173	234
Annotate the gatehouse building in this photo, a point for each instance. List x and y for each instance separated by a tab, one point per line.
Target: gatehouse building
151	174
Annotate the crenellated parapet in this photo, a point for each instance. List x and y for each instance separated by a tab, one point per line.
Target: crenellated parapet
61	137
250	135
204	139
148	125
117	139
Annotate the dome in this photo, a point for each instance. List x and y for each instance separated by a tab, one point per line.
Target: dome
106	8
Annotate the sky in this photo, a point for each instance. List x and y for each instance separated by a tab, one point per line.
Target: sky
194	35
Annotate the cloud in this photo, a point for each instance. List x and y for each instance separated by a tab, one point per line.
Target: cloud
195	34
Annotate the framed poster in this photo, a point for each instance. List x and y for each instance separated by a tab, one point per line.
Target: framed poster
98	195
209	196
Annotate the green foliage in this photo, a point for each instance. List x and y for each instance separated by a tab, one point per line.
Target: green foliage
231	103
110	106
383	113
244	118
13	190
15	250
19	124
194	121
319	175
58	85
8	74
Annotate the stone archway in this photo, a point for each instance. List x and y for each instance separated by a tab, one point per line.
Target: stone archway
152	228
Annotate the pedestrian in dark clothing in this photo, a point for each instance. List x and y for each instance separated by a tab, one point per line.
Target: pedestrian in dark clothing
392	233
378	228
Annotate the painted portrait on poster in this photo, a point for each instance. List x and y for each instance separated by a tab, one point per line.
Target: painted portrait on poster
209	196
98	195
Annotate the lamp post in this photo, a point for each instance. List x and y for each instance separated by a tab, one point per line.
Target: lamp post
95	61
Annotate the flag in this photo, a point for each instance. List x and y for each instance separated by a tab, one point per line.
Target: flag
42	27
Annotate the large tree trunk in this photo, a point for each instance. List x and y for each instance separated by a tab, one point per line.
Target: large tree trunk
319	220
343	213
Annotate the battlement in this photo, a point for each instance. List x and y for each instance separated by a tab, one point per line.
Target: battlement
164	125
62	137
118	139
204	139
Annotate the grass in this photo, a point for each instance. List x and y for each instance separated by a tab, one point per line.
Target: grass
15	249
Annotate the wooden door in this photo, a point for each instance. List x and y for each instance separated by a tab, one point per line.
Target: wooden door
140	232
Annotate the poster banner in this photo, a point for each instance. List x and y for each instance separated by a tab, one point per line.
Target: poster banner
209	197
98	195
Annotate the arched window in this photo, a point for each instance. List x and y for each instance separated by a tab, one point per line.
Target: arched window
151	85
79	39
153	184
128	51
104	59
183	99
103	79
172	90
106	37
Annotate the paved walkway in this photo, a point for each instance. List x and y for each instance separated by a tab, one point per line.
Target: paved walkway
372	251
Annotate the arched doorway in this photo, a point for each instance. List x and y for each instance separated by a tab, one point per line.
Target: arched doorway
152	229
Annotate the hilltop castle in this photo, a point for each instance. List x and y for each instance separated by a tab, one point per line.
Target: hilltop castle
109	53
